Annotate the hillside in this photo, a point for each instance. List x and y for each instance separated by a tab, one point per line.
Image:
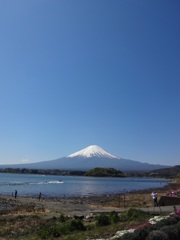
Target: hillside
104	172
166	172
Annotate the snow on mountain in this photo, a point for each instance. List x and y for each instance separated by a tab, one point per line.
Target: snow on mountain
89	158
92	151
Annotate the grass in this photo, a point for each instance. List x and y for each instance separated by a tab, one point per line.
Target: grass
36	226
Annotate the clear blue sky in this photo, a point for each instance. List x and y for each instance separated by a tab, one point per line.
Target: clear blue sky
85	72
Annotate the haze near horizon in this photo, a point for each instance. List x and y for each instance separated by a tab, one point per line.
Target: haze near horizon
80	73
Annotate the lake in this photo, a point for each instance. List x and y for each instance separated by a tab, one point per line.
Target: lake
58	186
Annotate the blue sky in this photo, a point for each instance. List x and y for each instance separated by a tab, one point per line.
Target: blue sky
79	73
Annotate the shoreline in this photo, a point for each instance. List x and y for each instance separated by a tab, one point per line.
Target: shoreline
88	204
168	181
122	192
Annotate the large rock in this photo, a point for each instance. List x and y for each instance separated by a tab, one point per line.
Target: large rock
169	201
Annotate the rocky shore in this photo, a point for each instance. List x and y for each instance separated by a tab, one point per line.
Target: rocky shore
86	204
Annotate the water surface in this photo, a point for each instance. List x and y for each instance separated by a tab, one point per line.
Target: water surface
56	186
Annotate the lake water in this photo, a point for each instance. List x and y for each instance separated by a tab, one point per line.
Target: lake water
57	186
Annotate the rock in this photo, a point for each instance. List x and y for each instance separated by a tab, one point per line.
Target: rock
91	215
79	217
89	218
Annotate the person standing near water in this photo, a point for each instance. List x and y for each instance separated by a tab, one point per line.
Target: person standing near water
15	194
39	196
154	196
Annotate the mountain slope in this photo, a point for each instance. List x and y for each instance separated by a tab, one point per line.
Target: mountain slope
92	151
167	172
88	158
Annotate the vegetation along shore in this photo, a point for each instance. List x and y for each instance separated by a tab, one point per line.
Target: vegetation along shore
67	218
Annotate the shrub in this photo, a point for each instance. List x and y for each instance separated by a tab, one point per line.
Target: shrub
162	223
56	232
114	218
51	231
54	218
171	232
136	214
140	234
62	218
178	228
5	232
76	225
171	220
177	217
64	229
90	227
123	217
150	228
102	220
157	235
127	236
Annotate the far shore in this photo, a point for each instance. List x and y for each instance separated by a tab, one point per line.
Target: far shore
87	204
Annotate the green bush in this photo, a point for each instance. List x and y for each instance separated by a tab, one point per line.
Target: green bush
45	232
140	234
123	217
171	220
5	232
171	232
160	224
165	222
64	229
62	218
157	235
114	218
76	225
136	214
152	228
102	220
57	231
178	228
127	236
177	217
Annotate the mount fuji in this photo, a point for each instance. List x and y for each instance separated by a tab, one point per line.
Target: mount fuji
92	151
88	158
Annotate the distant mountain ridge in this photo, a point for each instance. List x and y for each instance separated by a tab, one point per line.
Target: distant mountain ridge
166	172
89	158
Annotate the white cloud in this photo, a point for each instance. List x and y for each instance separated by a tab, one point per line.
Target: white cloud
25	161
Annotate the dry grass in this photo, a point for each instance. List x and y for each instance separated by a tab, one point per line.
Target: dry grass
141	198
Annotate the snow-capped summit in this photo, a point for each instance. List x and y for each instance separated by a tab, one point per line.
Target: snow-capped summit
89	158
92	151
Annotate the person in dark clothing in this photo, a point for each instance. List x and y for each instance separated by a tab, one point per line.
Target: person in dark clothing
15	195
154	196
39	197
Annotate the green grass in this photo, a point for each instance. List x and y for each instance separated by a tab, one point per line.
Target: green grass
36	227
